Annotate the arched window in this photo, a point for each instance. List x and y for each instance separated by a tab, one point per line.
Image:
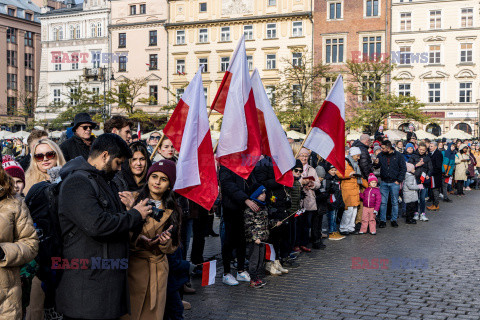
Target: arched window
404	127
464	127
58	33
77	31
72	32
99	29
434	129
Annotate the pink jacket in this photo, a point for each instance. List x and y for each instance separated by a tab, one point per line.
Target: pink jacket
372	198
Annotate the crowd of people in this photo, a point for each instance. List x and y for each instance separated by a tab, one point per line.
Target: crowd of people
93	228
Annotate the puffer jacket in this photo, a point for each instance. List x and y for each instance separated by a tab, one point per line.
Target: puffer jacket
19	242
310	203
295	195
461	167
410	188
365	163
350	186
372	198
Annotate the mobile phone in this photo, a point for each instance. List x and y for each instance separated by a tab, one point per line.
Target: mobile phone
155	238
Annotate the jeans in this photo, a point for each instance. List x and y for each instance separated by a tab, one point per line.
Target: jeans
187	231
386	189
332	221
421	200
445	189
200	231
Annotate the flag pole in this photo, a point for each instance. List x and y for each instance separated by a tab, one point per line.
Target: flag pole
157	146
282	221
303	142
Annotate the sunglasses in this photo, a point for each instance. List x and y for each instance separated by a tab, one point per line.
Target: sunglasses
41	156
155	138
297	171
86	127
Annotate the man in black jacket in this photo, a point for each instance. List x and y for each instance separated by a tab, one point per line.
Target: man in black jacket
365	162
79	144
436	185
95	230
392	171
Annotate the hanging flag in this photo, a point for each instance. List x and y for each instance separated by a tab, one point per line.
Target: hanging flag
189	131
239	143
299	212
327	137
139	132
332	198
449	180
432	183
209	272
269	252
423	177
274	140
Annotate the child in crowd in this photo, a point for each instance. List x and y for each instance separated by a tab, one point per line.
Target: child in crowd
256	232
14	170
372	199
322	207
332	185
410	194
296	196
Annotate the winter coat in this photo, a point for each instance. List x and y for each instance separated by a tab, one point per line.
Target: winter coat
410	188
426	168
407	155
332	188
295	195
461	168
148	272
392	167
322	197
365	162
350	186
93	225
448	161
234	192
75	147
19	242
476	154
309	202
437	163
411	135
256	224
372	198
471	166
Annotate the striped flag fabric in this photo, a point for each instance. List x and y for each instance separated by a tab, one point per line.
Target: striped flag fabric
269	252
332	198
139	132
432	183
209	272
449	180
299	212
423	177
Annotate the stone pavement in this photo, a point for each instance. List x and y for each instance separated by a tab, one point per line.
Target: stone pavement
326	286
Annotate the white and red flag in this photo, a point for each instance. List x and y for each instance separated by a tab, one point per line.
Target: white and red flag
449	180
189	131
423	177
239	143
332	198
274	141
300	212
209	272
327	137
139	132
432	183
269	252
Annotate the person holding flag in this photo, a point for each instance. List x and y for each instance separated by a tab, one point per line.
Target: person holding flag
423	173
448	168
436	179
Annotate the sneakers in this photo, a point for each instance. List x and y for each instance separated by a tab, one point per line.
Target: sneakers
305	249
257	284
433	208
373	233
270	268
382	224
394	224
335	236
279	267
411	221
415	216
297	249
423	217
228	279
243	276
289	263
186	305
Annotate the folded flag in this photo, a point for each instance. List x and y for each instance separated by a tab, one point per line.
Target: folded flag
332	198
299	212
209	272
423	177
449	180
432	183
269	252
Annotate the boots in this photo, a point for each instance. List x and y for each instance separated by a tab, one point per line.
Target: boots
270	268
433	208
279	267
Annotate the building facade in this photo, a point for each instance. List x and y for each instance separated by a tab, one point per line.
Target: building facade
75	46
138	33
20	48
436	44
206	33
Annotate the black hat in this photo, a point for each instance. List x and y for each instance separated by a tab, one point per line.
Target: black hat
298	164
82	118
328	166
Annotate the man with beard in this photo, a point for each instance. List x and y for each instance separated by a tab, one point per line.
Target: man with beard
95	233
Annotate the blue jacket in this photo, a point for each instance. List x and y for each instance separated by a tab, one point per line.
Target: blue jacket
392	167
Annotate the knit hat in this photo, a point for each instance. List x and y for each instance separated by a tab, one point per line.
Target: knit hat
328	166
410	145
372	177
13	168
410	167
165	166
256	190
298	164
376	148
354	151
320	171
380	128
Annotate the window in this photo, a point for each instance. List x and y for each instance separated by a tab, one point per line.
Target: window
335	10
372	8
29	60
58	63
434	54
58	33
11	12
270	90
203	7
93	30
74	96
465	94
434	92
248	32
153	95
99	29
329	81
271	61
11	35
153	62
371	88
467	17
11	81
225	34
180	36
180	94
271	30
466	52
152	38
143	8
203	35
122	63
96	95
224	63
96	59
297	30
29	83
334	50
404	89
28	16
181	66
75	60
122	90
11	58
72	32
133	10
297	59
405	55
29	39
250	62
272	3
372	47
296	93
11	105
203	62
205	94
122	40
29	108
56	95
405	21
435	19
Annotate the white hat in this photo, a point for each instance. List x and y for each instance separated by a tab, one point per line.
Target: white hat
355	151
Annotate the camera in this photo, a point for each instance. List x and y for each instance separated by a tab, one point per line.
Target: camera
157	213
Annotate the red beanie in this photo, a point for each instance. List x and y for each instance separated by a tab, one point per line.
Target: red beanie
13	168
165	166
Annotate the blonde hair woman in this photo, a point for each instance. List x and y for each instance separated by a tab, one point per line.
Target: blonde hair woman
46	154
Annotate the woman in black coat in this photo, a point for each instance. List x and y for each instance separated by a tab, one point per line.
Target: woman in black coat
423	171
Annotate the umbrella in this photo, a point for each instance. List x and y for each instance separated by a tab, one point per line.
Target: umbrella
56	134
395	135
422	134
295	135
354	135
455	133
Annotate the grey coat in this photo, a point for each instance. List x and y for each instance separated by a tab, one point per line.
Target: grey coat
410	188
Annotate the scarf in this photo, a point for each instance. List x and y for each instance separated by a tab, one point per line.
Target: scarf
449	153
355	167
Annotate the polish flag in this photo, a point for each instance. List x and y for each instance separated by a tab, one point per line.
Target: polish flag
274	141
269	252
189	131
139	132
299	212
327	137
423	177
449	180
239	143
432	183
332	198
209	272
